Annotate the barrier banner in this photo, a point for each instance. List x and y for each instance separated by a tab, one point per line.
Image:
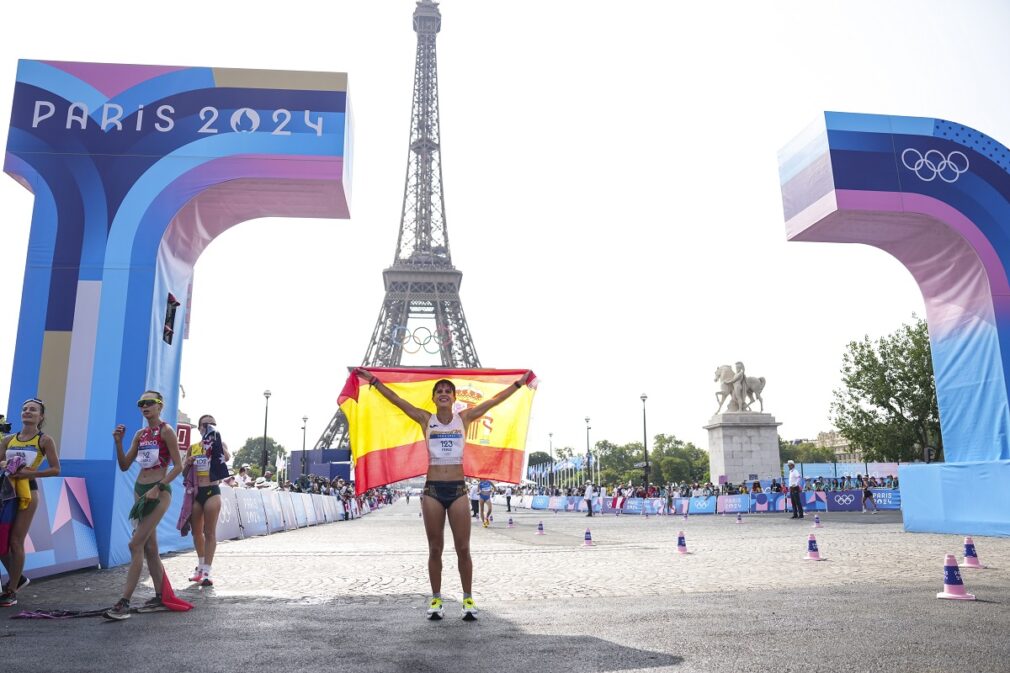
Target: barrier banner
733	503
557	503
680	505
632	506
317	504
704	504
338	508
310	511
299	510
768	502
272	506
287	510
62	534
887	498
252	517
844	501
228	524
540	502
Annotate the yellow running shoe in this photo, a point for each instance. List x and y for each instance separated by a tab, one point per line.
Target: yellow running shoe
469	610
435	610
486	524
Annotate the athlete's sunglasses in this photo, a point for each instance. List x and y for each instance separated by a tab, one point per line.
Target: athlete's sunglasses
143	404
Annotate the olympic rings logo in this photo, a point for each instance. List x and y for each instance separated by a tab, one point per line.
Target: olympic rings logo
933	164
844	499
413	341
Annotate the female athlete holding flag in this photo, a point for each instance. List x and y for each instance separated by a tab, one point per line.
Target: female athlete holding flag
445	432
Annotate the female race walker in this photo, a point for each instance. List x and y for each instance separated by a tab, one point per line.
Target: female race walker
33	447
209	457
445	432
153	447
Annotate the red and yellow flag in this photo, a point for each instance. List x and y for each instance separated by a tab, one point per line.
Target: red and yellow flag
388	446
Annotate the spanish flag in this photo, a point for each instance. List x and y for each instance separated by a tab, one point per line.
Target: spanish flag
388	446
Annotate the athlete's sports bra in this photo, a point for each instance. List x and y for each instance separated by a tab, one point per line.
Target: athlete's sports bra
445	442
152	452
30	450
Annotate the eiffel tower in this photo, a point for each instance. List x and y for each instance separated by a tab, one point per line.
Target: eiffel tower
422	285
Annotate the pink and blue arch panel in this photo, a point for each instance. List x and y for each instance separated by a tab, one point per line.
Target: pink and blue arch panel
135	169
935	195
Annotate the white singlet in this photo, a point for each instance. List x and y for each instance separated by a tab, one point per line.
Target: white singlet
445	442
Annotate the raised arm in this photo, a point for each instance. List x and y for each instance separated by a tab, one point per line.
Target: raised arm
420	416
125	460
473	413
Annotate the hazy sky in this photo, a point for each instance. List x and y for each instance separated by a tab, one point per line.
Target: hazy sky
612	194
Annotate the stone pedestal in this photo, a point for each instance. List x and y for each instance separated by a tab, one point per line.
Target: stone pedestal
741	444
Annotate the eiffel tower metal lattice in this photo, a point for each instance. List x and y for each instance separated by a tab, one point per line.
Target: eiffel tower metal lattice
422	285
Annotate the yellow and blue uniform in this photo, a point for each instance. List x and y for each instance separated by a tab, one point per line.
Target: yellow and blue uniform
32	453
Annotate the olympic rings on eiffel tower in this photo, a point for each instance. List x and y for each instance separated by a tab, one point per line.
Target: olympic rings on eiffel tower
412	341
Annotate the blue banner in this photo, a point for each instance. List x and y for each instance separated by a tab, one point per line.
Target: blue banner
845	501
704	504
768	502
540	502
730	504
887	498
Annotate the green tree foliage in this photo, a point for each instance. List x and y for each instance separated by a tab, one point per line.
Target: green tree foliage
539	457
804	452
670	459
887	404
252	453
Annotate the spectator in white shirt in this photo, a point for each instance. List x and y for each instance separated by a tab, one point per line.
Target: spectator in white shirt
508	498
588	497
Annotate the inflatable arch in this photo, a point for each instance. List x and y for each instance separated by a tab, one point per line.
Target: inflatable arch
935	195
135	169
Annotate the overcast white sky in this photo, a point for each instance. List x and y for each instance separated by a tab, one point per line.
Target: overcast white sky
611	183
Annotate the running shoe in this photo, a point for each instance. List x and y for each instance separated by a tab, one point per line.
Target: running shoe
8	599
119	611
197	575
206	581
435	610
469	610
486	524
153	604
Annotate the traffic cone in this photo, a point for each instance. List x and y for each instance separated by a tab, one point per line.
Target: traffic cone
812	553
739	518
540	528
681	543
817	521
588	542
511	525
970	557
953	587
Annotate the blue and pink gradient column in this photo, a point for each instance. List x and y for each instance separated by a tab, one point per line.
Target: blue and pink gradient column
935	195
135	170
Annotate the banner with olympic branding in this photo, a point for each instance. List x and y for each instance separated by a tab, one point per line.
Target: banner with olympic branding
844	501
768	502
887	498
733	503
704	504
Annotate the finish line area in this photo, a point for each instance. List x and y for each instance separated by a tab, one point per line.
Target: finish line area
352	596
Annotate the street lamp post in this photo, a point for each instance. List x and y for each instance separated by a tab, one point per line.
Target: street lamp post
589	459
266	414
550	473
305	420
645	443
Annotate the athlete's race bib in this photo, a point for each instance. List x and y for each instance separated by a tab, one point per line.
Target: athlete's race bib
147	456
202	464
27	454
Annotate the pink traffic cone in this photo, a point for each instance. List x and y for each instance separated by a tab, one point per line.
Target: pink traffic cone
739	518
953	587
588	542
970	557
817	521
511	525
681	543
812	553
540	528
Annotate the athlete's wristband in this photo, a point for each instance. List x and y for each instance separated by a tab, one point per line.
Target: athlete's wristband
517	385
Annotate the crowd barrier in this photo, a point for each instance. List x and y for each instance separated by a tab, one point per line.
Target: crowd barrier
813	501
62	534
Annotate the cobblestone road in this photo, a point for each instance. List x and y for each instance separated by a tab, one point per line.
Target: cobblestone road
554	596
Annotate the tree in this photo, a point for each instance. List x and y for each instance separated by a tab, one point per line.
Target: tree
252	453
804	452
888	403
539	457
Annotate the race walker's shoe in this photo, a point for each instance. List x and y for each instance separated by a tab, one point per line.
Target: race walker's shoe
153	604
8	599
119	611
486	524
469	610
197	575
435	610
205	580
